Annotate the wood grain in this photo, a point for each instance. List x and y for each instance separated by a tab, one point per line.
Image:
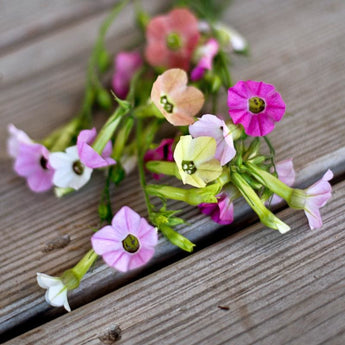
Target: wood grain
255	287
298	46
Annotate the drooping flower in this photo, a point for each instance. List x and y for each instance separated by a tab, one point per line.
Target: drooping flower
163	152
126	64
312	199
56	294
176	101
256	106
32	163
70	172
16	137
212	126
206	54
195	160
231	38
88	156
171	39
127	243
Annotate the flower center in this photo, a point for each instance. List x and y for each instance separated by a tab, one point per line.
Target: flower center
188	167
169	107
44	163
173	41
256	105
78	167
130	244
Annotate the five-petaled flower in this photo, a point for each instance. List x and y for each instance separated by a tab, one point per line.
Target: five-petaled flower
127	243
16	138
176	101
256	106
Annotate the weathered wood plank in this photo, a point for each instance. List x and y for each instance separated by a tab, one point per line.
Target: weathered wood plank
305	68
255	287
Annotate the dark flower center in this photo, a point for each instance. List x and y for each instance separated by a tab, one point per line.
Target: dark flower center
130	244
188	167
78	167
44	163
173	41
256	105
169	107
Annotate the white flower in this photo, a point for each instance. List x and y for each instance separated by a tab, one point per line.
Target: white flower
16	137
56	294
70	172
232	37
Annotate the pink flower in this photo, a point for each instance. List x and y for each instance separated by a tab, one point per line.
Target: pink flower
32	163
126	64
212	126
88	155
256	106
17	137
175	100
171	39
207	52
163	152
127	243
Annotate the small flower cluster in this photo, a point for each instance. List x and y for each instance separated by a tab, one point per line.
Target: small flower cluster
217	155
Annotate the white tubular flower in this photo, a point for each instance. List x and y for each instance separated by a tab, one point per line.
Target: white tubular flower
70	172
56	294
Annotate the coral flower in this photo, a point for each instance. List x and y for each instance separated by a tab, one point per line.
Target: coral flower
195	160
88	155
32	163
126	64
171	39
176	101
256	106
127	243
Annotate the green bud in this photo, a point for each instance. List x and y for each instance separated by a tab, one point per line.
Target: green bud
103	61
104	99
104	212
117	174
177	239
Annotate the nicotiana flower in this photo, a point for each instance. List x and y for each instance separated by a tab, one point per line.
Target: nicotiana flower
171	39
163	152
231	38
126	64
206	53
127	243
195	160
70	172
32	163
88	156
312	199
176	101
212	126
256	106
16	137
56	294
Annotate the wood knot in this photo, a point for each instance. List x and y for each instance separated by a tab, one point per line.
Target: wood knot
111	335
57	243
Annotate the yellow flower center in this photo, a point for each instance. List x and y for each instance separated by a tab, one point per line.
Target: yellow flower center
173	41
168	106
188	167
130	244
256	105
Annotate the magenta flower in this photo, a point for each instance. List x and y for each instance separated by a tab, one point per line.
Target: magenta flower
16	137
212	126
163	152
88	156
172	39
32	163
207	53
256	106
127	243
126	64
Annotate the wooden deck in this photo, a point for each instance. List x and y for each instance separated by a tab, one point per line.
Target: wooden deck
245	284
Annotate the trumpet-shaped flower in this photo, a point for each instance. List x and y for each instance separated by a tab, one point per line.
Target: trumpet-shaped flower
70	172
127	243
176	101
126	64
16	138
56	294
256	106
88	156
171	39
212	126
231	38
32	163
195	160
206	54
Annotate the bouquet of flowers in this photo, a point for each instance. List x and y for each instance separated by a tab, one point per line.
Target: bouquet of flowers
217	157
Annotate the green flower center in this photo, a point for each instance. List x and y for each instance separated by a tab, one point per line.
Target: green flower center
78	167
169	107
256	105
173	41
188	167
44	163
130	244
